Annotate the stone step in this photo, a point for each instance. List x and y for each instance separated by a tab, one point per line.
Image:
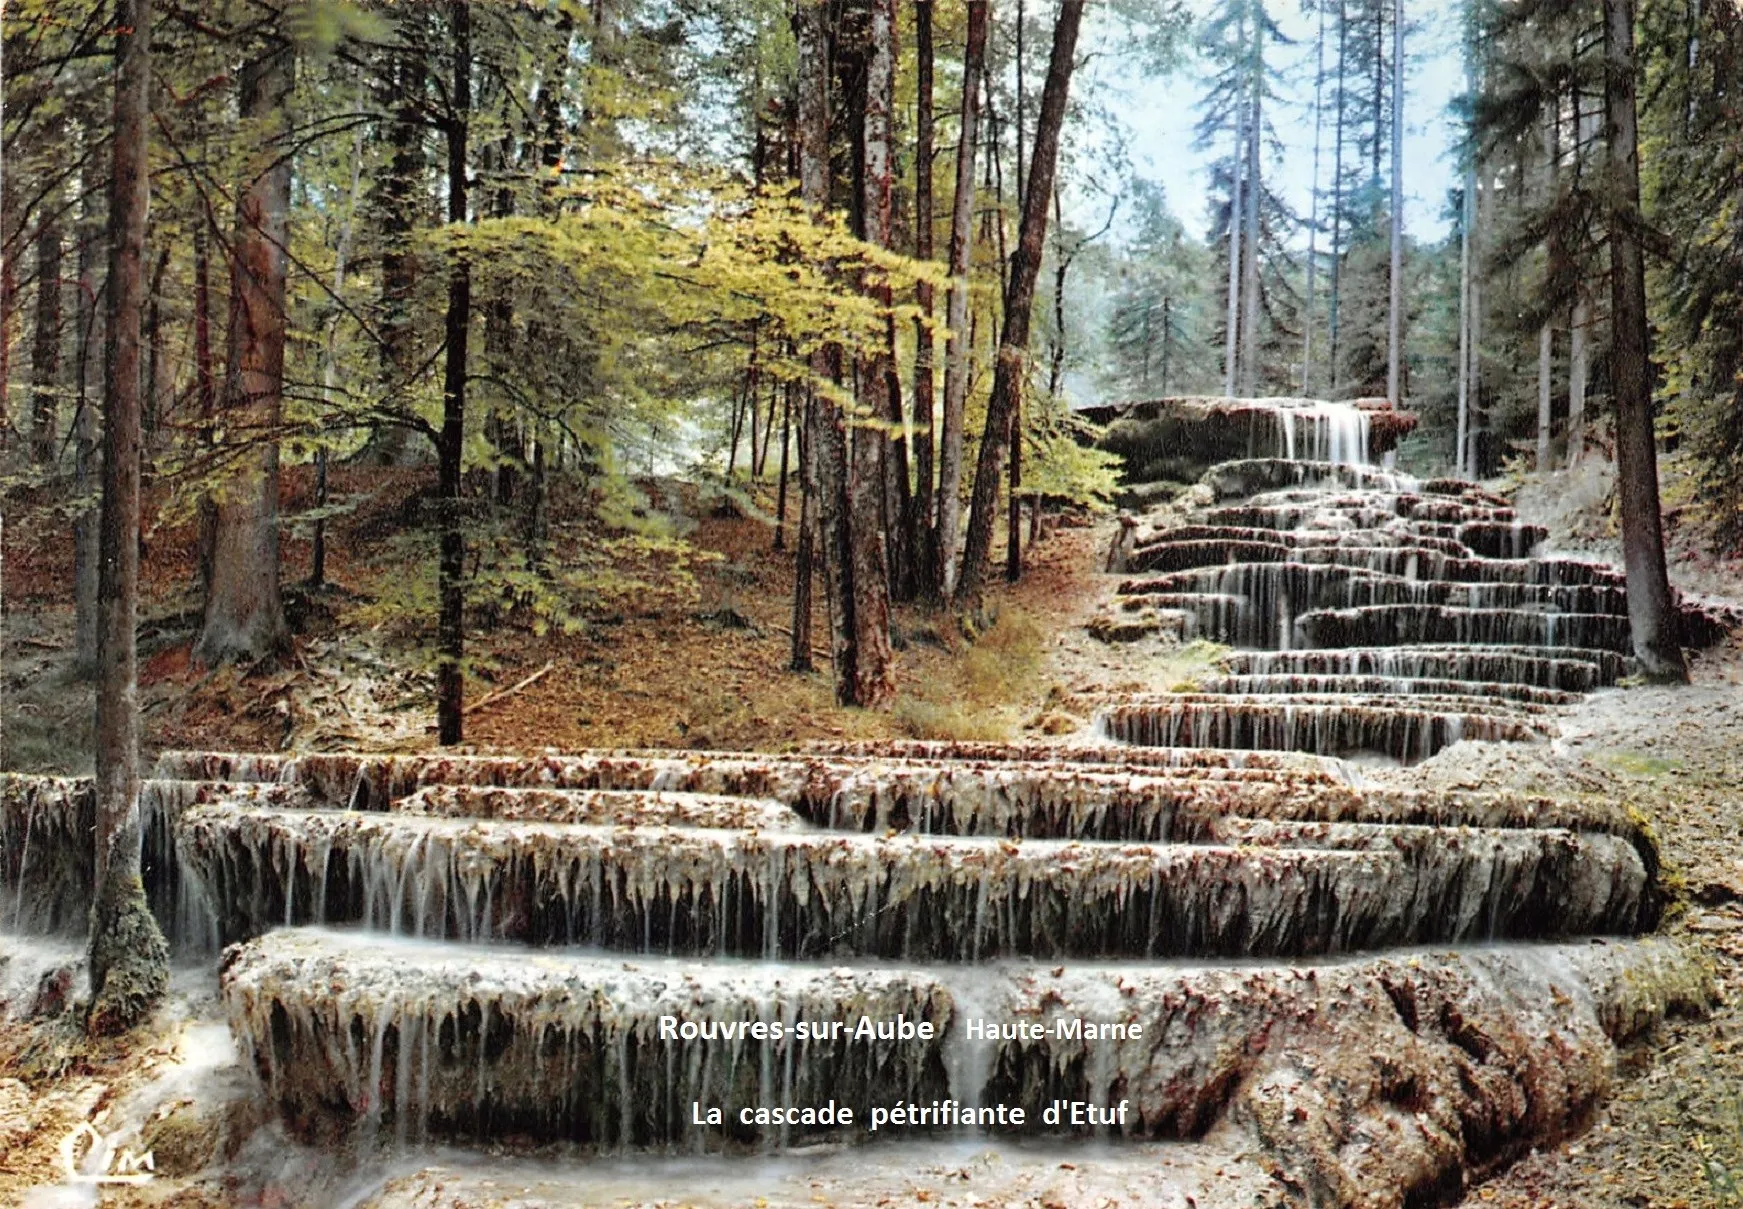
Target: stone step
1300	539
1288	589
1396	728
1399	504
1387	685
1392	625
1128	758
1566	669
1251	476
1461	699
361	1037
926	898
624	808
853	791
1412	558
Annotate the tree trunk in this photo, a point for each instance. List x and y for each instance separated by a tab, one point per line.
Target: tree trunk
1237	169
1395	304
1546	331
159	380
1313	206
330	361
789	390
1576	381
875	464
1337	203
451	622
87	439
804	554
1011	370
1467	236
205	383
1652	610
958	341
1250	198
244	615
129	961
826	452
45	354
1014	500
399	205
921	522
1545	395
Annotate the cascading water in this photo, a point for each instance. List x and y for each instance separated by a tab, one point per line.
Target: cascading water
632	950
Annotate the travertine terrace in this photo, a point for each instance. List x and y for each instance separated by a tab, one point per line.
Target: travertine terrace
1201	923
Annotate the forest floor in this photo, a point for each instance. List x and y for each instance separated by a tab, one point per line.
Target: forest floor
673	645
692	654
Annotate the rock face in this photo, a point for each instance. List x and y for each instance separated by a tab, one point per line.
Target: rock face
1208	936
1179	438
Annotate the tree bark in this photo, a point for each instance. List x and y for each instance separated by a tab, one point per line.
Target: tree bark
1011	370
205	384
1652	612
878	477
958	340
921	522
330	362
788	391
129	961
451	621
1250	199
244	615
1546	330
1467	235
399	198
1395	302
45	354
1337	203
1576	381
1237	169
804	552
1313	205
88	452
825	457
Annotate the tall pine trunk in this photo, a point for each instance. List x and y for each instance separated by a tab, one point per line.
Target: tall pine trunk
1334	303
1250	303
244	616
958	341
330	361
1652	612
1395	301
827	455
920	523
87	431
129	962
1546	330
1313	207
1578	322
45	354
1011	371
1237	169
878	475
399	201
450	588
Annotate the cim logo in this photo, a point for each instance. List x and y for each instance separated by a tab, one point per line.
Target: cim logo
112	1167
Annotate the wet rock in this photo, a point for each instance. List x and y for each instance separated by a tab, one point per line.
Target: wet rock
1490	1046
16	1109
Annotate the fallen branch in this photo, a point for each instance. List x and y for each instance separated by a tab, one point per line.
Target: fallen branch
510	691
